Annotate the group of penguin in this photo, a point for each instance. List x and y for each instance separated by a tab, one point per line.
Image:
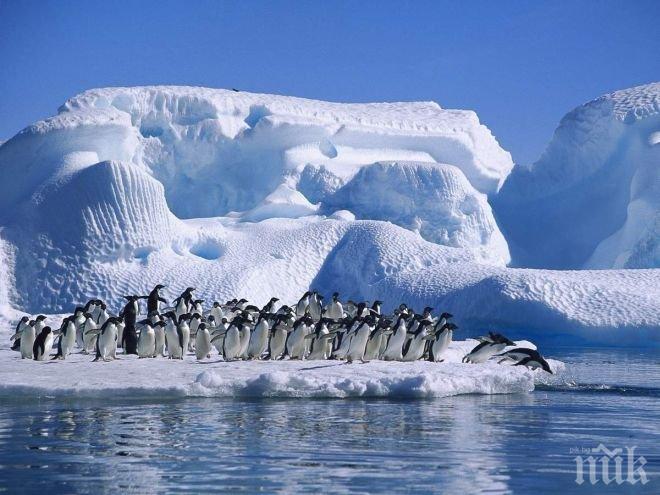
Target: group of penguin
237	330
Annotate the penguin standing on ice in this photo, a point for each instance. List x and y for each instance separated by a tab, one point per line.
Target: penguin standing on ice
440	340
130	313
146	346
20	326
334	309
28	337
154	299
106	343
202	342
43	344
67	338
183	304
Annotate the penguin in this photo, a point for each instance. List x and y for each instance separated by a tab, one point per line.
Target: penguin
16	338
79	319
375	339
279	334
183	331
314	307
159	338
129	340
259	338
173	338
154	299
106	342
321	341
195	320
440	340
218	335
146	347
346	334
525	357
270	305
232	342
43	344
295	342
103	315
376	307
394	349
414	349
183	303
89	337
303	304
359	341
489	346
217	312
28	336
334	309
67	338
202	342
535	363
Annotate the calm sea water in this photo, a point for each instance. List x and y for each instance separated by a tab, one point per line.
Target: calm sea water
524	443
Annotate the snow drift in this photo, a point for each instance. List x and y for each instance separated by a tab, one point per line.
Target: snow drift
249	195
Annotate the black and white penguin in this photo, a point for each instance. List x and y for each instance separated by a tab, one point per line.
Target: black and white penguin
16	338
296	343
441	339
277	341
394	349
183	303
303	304
173	338
358	344
522	356
154	299
29	332
67	338
374	343
129	340
488	347
321	338
106	343
43	344
334	310
414	348
202	342
270	305
259	337
232	342
146	347
89	336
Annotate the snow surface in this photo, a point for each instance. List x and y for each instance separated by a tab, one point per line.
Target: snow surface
600	171
129	377
377	201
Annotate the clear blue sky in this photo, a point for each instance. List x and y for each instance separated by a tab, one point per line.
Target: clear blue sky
520	64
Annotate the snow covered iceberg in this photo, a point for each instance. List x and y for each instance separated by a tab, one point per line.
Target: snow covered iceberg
259	195
593	198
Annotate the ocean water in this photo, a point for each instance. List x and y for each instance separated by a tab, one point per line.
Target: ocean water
521	443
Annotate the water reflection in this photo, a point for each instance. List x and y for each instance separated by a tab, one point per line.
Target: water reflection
461	444
467	444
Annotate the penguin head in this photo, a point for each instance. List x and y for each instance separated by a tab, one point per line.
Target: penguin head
46	330
335	296
427	310
159	287
446	316
216	304
224	320
41	318
25	319
190	289
202	326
